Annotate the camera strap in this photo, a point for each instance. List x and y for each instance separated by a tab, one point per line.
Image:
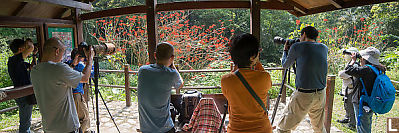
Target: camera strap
251	91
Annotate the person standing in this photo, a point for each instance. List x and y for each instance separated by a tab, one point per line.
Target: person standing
18	71
80	102
155	82
246	112
311	71
347	91
369	56
53	81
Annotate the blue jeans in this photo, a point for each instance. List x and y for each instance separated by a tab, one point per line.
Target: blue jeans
25	114
366	120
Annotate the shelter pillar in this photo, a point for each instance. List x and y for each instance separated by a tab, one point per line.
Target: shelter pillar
151	28
255	18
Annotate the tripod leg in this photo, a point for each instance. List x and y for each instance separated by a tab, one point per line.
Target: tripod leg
112	118
279	95
96	76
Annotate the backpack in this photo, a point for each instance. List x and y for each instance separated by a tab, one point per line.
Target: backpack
189	102
382	97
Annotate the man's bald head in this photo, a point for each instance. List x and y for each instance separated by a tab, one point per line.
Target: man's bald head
53	50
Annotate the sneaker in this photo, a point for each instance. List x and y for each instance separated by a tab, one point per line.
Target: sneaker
345	120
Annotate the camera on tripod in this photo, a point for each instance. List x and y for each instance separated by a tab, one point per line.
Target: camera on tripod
280	40
99	50
350	53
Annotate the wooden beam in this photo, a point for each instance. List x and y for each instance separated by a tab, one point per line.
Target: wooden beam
275	5
19	9
79	27
201	5
113	12
14	19
329	101
344	5
151	28
67	3
297	7
255	18
336	3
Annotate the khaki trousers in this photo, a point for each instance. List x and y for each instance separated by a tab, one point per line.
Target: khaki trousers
300	105
83	111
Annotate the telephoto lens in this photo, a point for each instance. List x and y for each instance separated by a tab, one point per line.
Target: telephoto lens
280	40
350	53
99	50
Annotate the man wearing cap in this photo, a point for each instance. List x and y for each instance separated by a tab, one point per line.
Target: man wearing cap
369	56
347	91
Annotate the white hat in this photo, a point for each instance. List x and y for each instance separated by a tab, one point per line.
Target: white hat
352	50
371	54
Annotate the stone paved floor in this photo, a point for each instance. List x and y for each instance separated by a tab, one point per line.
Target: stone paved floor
127	119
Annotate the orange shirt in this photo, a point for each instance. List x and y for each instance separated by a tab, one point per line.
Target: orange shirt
245	114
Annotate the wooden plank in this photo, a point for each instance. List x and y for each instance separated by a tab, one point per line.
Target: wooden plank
16	92
255	18
151	28
275	5
344	5
113	12
19	9
329	101
127	86
66	3
201	5
336	3
297	7
28	20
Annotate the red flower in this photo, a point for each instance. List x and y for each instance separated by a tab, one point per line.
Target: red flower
298	22
325	20
362	19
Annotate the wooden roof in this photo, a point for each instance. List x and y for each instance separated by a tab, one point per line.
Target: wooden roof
49	9
62	9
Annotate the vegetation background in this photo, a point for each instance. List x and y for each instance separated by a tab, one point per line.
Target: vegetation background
201	41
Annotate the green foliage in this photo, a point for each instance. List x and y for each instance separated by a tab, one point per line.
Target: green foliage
5	79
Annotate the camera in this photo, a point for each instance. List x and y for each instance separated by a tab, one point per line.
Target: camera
99	50
280	40
350	53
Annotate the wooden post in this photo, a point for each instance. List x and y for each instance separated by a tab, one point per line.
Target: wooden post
127	85
255	18
151	28
284	93
329	101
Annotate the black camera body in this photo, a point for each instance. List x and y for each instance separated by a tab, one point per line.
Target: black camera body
350	53
280	40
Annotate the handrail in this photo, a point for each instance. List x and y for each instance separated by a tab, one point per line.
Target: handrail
10	93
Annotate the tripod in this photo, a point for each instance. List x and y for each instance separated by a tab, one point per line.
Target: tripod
97	92
281	91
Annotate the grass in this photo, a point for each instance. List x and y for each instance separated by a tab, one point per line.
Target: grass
13	120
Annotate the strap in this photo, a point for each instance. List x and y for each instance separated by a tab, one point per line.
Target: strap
376	71
249	88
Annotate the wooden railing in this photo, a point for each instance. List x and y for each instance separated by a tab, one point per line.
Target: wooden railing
128	88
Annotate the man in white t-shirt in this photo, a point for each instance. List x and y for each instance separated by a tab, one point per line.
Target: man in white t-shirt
53	82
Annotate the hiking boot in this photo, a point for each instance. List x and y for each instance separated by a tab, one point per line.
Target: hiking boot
345	120
351	127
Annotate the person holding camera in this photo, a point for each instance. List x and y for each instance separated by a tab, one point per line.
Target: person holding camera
368	56
53	81
246	88
18	71
347	91
155	82
80	102
311	71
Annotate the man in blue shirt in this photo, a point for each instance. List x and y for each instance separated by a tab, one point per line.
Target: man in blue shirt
80	101
309	96
155	82
18	71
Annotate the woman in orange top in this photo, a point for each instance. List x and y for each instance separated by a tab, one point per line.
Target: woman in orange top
245	113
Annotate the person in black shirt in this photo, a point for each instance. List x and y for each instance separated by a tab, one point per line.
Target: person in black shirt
18	71
369	56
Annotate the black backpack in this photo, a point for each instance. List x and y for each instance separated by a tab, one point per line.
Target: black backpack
189	102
